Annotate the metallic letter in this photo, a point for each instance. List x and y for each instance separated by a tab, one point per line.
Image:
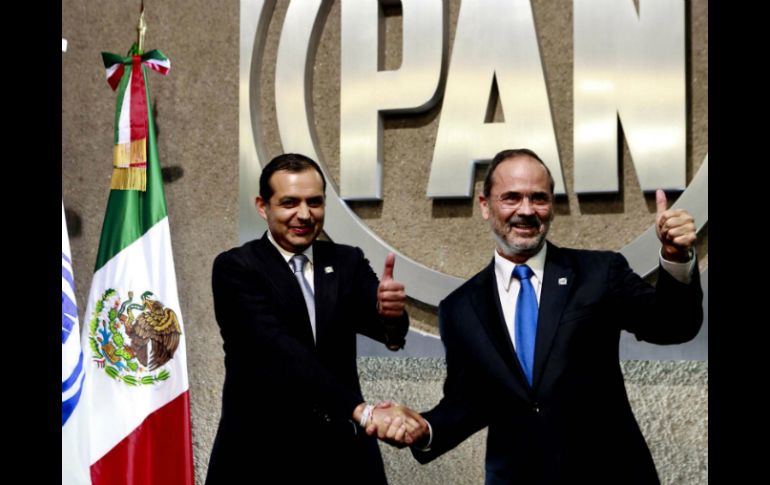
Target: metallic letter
255	18
365	92
631	66
494	38
342	225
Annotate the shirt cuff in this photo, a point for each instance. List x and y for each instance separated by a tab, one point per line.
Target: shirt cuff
682	272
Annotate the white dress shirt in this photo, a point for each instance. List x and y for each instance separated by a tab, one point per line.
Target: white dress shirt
508	286
308	271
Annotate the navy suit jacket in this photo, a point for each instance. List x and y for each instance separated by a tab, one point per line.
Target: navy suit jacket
574	424
287	402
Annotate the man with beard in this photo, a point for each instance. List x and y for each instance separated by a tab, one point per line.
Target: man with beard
532	341
289	307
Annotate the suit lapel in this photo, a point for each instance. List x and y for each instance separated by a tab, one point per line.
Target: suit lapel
557	281
486	305
285	286
326	282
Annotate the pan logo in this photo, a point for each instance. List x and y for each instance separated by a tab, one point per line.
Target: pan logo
627	63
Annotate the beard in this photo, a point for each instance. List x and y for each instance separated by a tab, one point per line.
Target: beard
511	245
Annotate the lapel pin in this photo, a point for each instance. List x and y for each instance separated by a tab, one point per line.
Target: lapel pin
328	270
562	281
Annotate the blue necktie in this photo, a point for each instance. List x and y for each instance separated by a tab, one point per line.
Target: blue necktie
526	320
297	263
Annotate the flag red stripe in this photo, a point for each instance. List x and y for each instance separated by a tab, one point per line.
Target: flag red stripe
159	451
138	101
114	80
157	67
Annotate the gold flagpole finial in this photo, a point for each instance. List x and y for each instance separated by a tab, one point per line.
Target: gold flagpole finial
140	31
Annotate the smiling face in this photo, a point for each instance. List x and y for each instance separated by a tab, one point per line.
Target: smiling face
295	211
519	207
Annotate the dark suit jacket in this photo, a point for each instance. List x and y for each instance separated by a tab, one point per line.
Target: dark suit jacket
287	402
575	424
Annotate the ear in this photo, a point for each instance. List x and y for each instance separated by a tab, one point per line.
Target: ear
484	205
261	207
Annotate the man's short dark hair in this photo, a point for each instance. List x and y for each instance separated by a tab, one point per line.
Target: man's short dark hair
289	162
505	155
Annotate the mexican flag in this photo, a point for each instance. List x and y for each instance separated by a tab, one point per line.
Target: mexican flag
134	338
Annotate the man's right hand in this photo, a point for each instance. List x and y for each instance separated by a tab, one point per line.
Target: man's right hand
397	425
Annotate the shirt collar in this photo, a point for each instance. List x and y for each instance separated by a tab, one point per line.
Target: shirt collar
287	255
504	267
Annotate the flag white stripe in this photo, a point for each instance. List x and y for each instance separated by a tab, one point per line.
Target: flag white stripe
111	70
159	63
124	122
145	265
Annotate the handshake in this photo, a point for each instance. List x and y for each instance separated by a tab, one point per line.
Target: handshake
393	423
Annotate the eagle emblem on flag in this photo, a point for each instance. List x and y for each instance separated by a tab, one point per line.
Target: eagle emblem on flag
131	340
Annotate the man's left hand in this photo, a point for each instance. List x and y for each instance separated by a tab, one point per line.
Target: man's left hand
391	296
675	228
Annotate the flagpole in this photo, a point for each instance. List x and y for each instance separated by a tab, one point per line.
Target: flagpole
141	29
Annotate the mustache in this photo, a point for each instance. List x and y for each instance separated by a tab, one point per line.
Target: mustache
531	221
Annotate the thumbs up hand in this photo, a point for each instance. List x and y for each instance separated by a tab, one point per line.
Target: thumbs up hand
391	296
675	228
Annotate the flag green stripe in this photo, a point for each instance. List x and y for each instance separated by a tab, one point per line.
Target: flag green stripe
131	213
155	54
109	59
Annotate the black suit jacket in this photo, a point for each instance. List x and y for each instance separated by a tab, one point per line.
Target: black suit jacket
287	401
575	424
